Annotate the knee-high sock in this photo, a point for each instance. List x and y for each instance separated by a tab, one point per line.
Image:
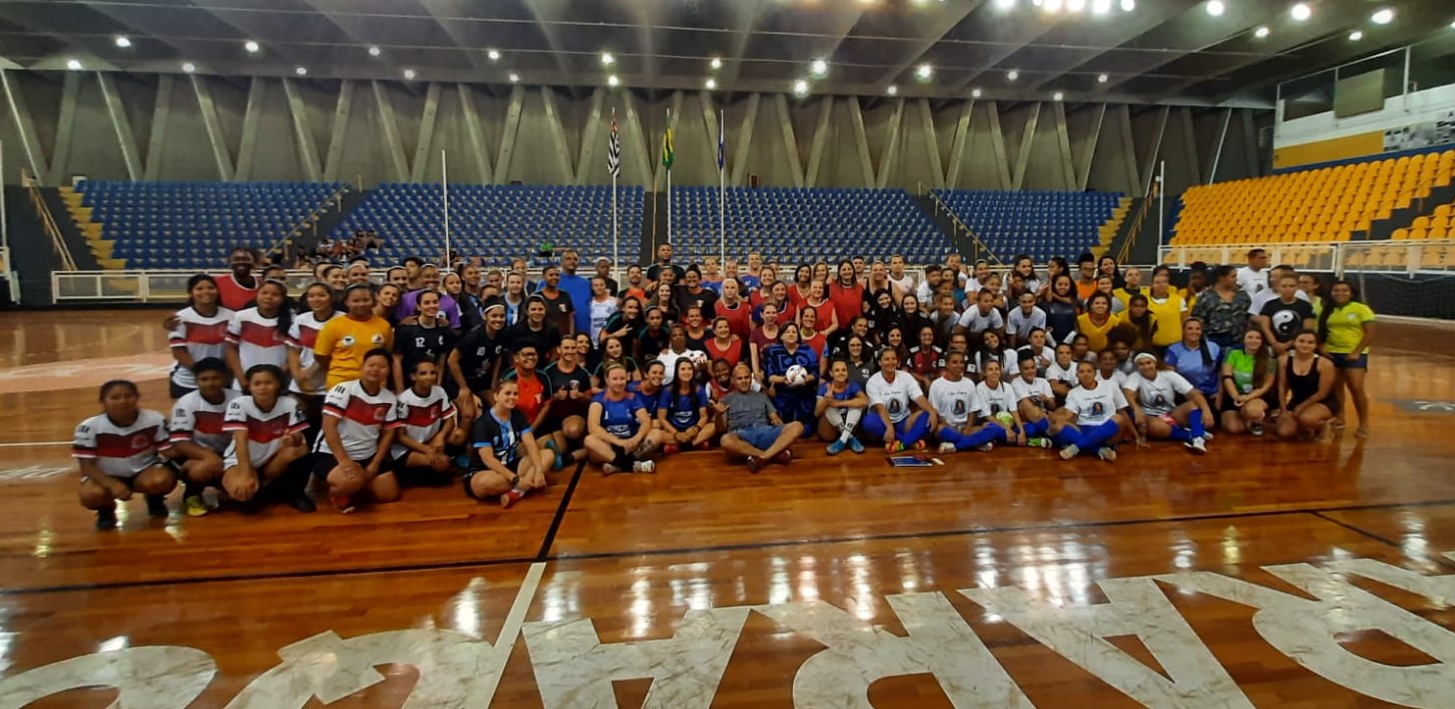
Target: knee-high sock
1195	422
989	434
1066	436
1037	429
849	418
1179	434
1094	437
913	429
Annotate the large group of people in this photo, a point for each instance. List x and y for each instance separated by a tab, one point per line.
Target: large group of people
356	386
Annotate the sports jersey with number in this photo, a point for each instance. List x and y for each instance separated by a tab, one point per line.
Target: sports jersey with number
619	416
894	396
199	421
956	401
362	416
302	336
266	429
1094	407
1001	399
478	354
1158	396
258	341
418	343
122	451
421	417
202	336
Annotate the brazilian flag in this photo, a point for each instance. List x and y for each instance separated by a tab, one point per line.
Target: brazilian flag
668	155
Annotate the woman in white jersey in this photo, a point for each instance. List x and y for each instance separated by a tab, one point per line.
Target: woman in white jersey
1034	401
360	418
267	439
890	418
428	428
1153	394
117	451
259	335
308	380
954	396
199	331
603	305
198	438
1094	411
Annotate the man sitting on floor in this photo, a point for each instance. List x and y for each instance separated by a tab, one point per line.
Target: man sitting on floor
755	430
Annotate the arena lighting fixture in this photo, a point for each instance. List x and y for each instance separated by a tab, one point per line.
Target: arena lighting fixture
514	78
1012	75
123	41
1100	7
716	63
1301	12
1058	96
612	80
189	67
1076	5
819	67
1356	35
975	93
1262	32
1052	6
711	84
252	46
73	64
1216	8
892	90
1102	79
375	51
494	55
409	74
1382	16
800	87
301	71
924	72
1004	4
607	59
1129	5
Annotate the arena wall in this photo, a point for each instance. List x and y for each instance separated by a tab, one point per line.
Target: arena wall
193	127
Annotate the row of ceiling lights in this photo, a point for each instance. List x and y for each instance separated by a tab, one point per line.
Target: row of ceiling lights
1300	12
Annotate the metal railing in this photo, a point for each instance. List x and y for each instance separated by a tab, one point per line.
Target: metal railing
1136	227
1410	257
957	226
58	242
311	219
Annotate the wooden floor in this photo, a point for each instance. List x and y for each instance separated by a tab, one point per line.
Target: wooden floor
1263	574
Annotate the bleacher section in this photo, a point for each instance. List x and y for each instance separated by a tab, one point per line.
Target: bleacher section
802	225
1327	204
497	222
1042	224
144	225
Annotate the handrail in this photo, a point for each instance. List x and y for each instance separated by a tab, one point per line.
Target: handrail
52	230
990	255
1136	229
331	200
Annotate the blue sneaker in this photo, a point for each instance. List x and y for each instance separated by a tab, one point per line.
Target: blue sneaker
855	445
836	447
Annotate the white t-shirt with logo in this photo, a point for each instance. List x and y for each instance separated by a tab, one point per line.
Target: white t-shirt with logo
422	416
122	451
265	429
362	416
303	335
1037	388
202	336
997	400
1094	407
1158	396
894	396
956	401
197	420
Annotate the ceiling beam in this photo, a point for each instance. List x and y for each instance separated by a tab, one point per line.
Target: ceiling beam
953	17
1148	18
747	18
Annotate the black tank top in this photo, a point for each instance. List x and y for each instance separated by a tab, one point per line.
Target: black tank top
1302	386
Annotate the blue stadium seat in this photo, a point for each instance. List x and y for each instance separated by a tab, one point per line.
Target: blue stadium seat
1040	223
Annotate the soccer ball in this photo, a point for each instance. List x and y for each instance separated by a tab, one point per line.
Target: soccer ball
796	375
698	357
1005	419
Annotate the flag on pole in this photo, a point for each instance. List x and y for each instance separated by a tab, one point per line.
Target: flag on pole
668	155
613	149
721	146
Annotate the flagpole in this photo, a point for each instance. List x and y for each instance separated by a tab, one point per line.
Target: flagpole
669	179
445	188
721	191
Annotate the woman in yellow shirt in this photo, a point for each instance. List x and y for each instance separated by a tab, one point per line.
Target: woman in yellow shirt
343	342
1097	321
1346	327
1168	309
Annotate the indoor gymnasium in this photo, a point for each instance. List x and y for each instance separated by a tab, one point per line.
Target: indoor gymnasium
727	353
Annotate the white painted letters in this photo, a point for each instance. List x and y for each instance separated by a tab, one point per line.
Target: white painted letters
153	677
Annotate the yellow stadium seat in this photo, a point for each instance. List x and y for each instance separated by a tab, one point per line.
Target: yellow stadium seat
1400	234
1442	211
1418	234
1420	223
1437	234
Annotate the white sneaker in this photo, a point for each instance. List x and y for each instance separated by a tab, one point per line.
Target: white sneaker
1197	445
1069	452
947	447
644	466
1107	454
986	448
1207	435
609	469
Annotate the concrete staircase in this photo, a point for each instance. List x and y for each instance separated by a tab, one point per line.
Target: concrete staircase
1112	228
100	247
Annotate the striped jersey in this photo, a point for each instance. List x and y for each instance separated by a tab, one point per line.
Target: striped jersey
122	451
421	417
266	429
198	420
258	340
302	336
202	336
362	416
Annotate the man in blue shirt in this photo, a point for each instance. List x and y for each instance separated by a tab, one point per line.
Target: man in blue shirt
578	287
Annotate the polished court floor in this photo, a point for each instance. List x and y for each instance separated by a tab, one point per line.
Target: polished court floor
1263	574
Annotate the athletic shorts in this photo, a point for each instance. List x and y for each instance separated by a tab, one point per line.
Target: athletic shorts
130	480
325	462
1167	419
418	477
1349	361
177	391
760	437
465	479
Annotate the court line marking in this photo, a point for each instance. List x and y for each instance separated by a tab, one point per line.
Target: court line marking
746	546
510	631
36	443
550	539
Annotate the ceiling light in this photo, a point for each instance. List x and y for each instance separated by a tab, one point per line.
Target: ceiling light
1012	75
1100	7
975	93
375	51
1052	6
1356	35
1129	5
300	71
494	55
73	64
1383	16
251	46
1301	12
607	59
612	80
1102	79
711	84
189	67
1076	5
1005	4
514	78
800	87
819	67
924	72
1058	96
1215	8
892	90
1262	32
409	74
716	63
123	41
